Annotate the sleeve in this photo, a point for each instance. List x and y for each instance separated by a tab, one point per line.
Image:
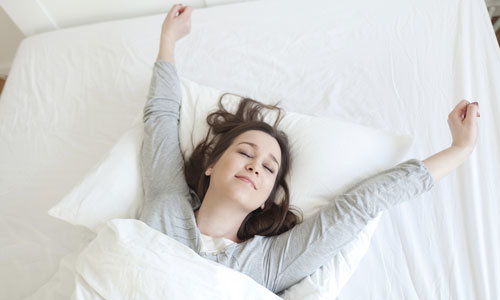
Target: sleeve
300	251
161	160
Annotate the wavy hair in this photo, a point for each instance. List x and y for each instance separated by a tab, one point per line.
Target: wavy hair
277	216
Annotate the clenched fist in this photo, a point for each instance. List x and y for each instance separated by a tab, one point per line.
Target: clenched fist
177	24
463	123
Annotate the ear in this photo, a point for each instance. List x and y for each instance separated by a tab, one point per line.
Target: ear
262	206
208	172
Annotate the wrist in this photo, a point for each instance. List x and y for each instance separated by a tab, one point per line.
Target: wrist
167	39
444	162
462	149
166	54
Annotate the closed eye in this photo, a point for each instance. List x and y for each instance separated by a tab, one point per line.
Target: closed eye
264	166
244	154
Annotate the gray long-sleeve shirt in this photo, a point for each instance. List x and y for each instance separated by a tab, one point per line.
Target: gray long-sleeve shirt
275	262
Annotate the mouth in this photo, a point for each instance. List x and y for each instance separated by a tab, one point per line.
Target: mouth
246	180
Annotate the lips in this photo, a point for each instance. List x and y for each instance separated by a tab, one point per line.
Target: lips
244	178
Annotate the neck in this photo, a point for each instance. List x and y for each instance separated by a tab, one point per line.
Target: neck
219	217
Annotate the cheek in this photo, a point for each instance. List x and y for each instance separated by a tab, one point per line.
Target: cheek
270	184
236	161
230	166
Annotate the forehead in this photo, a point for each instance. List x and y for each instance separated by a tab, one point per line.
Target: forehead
265	143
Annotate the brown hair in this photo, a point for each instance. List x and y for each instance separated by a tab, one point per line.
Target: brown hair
277	216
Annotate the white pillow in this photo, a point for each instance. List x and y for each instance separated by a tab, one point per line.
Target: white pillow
112	189
328	156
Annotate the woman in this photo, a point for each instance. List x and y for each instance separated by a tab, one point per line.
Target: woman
223	202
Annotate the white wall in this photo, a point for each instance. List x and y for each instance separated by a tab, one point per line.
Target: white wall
20	18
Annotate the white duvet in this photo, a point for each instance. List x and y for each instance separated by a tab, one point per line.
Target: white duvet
130	260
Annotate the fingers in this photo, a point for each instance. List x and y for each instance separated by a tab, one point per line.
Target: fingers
174	10
179	9
472	112
459	111
185	10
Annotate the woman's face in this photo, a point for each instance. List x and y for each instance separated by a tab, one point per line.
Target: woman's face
253	154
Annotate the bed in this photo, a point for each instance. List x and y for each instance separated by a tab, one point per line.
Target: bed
393	65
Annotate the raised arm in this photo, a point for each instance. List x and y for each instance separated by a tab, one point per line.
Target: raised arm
176	25
160	153
161	159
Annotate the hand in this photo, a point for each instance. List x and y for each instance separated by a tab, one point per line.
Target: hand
177	24
463	123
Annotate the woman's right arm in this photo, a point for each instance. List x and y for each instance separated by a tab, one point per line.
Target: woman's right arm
176	25
161	158
166	52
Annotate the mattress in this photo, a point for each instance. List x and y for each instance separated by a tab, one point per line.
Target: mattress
394	65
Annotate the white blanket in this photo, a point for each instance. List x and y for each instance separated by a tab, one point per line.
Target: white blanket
130	260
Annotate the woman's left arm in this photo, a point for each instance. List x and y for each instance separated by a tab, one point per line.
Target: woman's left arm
300	251
463	123
444	162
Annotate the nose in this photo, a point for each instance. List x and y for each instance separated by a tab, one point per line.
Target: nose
251	169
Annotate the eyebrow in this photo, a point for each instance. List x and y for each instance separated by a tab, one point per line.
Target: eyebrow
255	146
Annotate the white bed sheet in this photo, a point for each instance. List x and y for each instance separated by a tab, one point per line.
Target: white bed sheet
396	65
